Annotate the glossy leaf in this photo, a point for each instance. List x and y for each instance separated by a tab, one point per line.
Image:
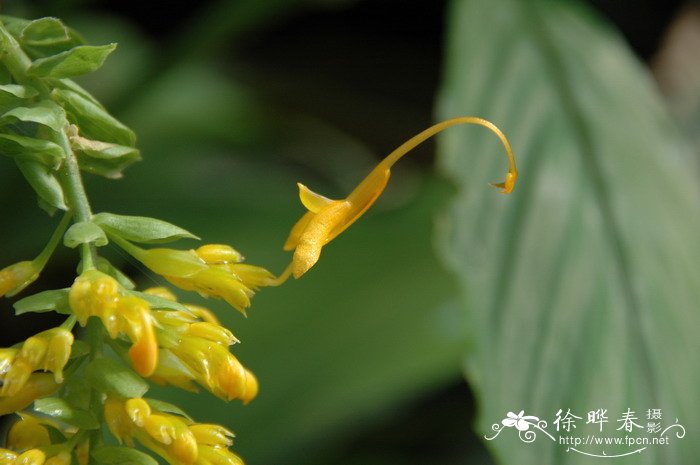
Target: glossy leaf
141	229
18	90
43	181
78	60
29	148
84	232
92	119
114	378
55	300
58	409
581	286
46	113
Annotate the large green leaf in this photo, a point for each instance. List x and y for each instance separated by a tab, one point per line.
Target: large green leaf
582	287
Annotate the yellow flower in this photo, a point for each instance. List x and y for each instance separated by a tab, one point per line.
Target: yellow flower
178	440
16	277
38	385
212	270
30	457
96	294
48	350
327	218
195	350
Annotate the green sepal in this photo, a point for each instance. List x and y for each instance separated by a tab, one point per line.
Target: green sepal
44	182
141	229
84	232
44	31
58	409
46	113
55	300
166	407
79	60
114	378
29	148
92	119
121	455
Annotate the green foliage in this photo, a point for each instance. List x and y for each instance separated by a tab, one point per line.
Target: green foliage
84	232
141	229
55	300
580	287
120	455
60	410
114	378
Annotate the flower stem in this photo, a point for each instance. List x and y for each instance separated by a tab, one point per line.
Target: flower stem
41	260
72	183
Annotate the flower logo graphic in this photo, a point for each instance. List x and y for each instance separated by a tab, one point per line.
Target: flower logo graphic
520	421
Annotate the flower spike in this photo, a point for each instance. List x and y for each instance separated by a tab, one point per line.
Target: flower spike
327	218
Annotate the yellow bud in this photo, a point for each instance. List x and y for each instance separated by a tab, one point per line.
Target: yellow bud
250	391
252	276
28	433
7	356
160	428
218	456
219	254
58	353
212	435
38	385
7	457
62	458
184	447
16	377
117	419
34	350
212	332
31	457
231	378
16	277
171	262
138	410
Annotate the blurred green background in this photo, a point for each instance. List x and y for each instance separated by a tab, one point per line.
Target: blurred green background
578	291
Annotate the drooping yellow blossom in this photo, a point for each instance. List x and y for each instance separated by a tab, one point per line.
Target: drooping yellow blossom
30	457
212	270
178	440
203	313
48	350
27	433
327	218
96	294
38	385
33	457
196	350
16	277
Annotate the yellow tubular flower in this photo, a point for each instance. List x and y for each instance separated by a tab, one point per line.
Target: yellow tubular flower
327	218
30	457
48	350
27	433
178	440
16	277
212	270
97	294
38	385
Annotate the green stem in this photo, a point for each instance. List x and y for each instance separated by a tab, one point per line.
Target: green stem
41	260
133	250
72	183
